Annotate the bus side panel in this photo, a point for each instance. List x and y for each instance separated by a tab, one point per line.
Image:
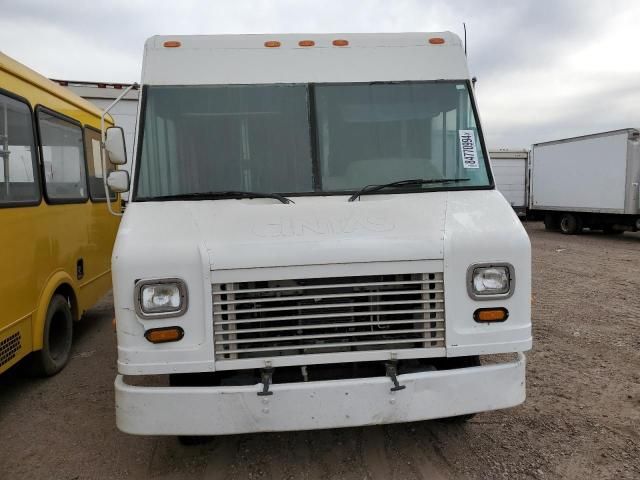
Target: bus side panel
19	284
69	234
96	253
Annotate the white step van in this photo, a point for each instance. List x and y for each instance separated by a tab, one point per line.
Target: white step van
314	240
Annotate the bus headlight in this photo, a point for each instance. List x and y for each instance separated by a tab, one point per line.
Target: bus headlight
490	281
161	298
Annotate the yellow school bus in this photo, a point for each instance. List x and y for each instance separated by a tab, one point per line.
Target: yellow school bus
56	234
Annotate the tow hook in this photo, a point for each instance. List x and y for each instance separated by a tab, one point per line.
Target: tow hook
266	375
392	373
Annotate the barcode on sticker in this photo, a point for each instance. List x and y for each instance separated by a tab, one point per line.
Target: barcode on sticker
468	149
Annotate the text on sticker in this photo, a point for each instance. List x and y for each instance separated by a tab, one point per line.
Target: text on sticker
468	149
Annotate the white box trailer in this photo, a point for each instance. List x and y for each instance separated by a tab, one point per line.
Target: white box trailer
589	181
511	174
314	239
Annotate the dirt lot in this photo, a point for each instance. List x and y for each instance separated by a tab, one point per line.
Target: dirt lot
581	418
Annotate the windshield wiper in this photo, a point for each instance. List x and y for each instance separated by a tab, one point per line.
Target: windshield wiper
403	183
219	195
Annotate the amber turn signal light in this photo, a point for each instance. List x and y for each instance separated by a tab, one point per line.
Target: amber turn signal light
165	334
491	315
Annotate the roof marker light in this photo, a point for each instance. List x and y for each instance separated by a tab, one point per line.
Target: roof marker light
340	43
171	44
306	43
436	40
272	44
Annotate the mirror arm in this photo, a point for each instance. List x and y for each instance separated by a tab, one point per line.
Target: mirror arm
103	152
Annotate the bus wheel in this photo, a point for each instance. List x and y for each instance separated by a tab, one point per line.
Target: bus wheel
570	224
57	336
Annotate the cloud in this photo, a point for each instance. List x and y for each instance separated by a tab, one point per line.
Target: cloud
545	69
570	87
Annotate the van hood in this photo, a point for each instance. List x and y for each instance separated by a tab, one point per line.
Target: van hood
320	230
254	233
261	232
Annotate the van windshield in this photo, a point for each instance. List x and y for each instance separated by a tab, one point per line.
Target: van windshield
300	139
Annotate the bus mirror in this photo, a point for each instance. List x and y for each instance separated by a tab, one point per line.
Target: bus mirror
118	181
114	144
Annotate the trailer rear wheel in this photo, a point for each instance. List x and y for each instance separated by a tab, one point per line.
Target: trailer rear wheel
570	224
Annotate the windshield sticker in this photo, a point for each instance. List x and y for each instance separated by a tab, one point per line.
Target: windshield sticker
468	149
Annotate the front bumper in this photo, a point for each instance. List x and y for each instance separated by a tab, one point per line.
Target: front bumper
317	405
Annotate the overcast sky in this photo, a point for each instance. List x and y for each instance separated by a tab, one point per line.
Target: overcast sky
546	69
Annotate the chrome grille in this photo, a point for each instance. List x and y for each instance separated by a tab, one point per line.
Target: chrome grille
327	315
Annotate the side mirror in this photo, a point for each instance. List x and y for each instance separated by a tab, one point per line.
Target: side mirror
118	181
115	146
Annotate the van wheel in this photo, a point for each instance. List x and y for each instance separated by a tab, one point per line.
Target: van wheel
551	222
570	224
57	336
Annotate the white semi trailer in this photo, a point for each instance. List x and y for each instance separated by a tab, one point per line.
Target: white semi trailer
314	239
590	181
511	173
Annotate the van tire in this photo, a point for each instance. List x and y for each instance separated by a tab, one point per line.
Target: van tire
56	339
570	224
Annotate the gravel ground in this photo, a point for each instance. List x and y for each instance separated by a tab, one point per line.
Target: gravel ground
581	418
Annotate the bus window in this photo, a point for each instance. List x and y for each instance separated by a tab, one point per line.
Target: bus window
94	166
62	159
18	177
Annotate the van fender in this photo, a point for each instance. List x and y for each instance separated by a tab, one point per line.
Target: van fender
54	282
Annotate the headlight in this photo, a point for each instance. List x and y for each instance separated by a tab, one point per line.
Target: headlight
161	298
490	281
